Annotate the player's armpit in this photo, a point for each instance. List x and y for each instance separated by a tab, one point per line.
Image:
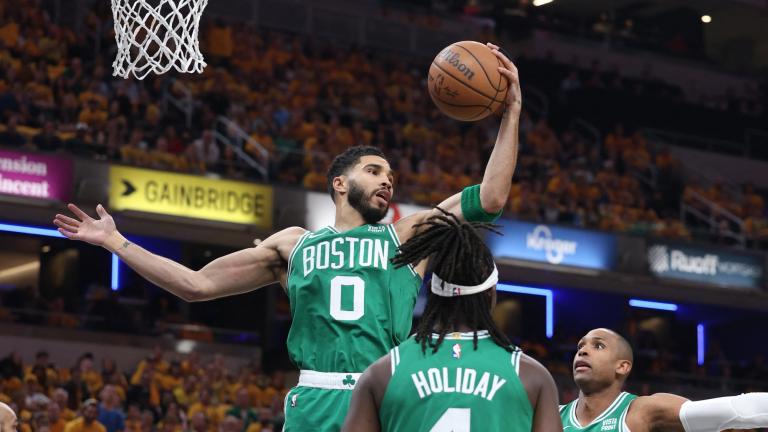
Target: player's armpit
542	392
247	269
658	412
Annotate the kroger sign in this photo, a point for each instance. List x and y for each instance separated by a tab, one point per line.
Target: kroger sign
554	245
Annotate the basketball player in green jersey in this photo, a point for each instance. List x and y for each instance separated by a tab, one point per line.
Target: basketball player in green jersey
349	305
458	372
600	368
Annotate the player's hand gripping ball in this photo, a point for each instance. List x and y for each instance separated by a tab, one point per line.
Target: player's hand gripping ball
469	81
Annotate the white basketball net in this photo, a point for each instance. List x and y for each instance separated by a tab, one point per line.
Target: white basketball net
154	36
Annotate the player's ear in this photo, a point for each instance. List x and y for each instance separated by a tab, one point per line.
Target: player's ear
340	184
623	368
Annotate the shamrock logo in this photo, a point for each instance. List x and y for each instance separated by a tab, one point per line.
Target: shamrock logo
348	381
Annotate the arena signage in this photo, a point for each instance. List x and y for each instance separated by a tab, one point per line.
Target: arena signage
554	245
35	176
705	265
190	196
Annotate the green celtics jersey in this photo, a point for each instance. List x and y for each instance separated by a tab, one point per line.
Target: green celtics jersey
456	389
349	304
612	419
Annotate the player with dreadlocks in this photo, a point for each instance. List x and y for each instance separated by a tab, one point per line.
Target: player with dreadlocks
458	372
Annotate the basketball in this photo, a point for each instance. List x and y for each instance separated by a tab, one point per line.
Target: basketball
464	81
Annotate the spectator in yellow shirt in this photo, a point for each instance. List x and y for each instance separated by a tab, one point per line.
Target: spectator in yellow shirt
55	422
132	418
186	394
206	406
88	422
61	398
92	114
173	378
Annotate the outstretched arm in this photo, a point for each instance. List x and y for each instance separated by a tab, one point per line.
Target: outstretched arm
669	412
497	179
235	273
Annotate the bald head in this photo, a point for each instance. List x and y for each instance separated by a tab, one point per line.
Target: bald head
8	421
603	359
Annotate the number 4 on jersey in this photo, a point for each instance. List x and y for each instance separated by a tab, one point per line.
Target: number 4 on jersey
453	420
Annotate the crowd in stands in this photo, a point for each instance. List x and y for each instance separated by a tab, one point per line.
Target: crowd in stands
157	395
301	102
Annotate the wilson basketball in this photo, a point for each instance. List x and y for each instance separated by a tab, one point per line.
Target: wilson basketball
464	81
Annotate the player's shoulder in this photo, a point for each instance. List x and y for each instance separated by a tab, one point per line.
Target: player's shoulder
290	233
656	400
530	363
533	374
284	239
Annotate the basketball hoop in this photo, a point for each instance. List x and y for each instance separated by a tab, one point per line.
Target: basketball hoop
154	36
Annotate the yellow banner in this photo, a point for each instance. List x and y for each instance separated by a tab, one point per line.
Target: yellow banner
189	196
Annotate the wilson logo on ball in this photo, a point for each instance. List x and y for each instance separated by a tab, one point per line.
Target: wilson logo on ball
454	59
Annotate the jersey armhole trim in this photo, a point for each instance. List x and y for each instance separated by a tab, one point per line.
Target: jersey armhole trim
516	356
396	239
623	419
394	358
293	252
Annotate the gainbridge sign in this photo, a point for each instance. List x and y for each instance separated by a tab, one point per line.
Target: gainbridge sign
190	196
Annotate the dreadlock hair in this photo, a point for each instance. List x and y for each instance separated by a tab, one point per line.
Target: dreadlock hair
458	255
346	160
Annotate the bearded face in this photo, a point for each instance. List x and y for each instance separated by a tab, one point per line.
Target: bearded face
361	200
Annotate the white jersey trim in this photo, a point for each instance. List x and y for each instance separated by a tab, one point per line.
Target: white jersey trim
394	358
516	356
299	242
393	233
608	411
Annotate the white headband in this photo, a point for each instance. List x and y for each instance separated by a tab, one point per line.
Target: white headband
447	289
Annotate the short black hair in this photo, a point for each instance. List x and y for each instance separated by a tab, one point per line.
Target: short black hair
625	351
458	255
347	159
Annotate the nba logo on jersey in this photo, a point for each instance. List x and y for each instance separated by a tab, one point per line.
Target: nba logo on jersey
293	400
456	351
609	424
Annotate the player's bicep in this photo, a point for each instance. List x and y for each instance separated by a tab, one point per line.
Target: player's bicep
409	226
247	269
661	412
363	415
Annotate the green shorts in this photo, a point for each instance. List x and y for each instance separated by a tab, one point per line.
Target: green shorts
315	409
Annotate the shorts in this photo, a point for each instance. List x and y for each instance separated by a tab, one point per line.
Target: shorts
315	409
